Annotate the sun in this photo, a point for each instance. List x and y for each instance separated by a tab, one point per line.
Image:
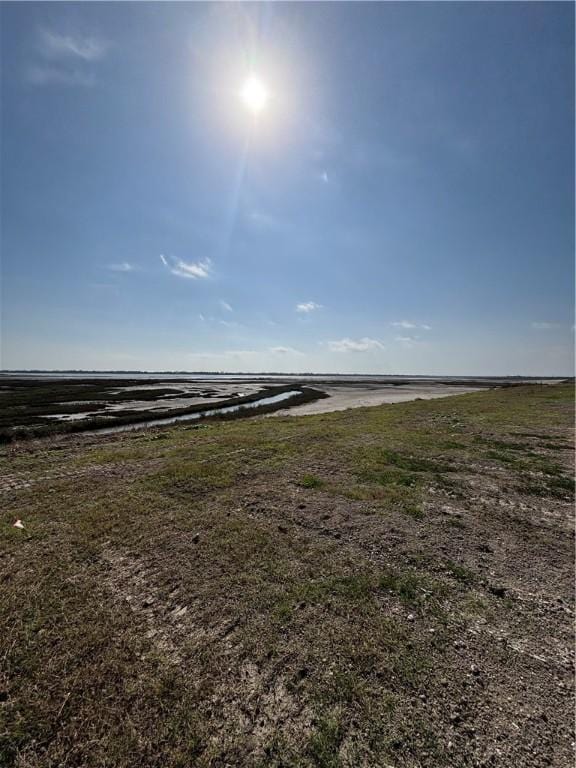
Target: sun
254	94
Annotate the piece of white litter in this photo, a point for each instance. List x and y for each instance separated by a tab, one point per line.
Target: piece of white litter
18	524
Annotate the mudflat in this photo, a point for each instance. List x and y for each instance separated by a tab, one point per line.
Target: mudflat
384	586
343	396
43	404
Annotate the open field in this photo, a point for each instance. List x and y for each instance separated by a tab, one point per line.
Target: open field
379	587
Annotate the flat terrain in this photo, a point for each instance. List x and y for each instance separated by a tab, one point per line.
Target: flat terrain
379	587
344	396
42	404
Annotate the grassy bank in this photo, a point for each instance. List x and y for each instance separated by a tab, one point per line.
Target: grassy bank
385	586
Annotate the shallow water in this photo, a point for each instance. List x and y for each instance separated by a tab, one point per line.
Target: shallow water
272	400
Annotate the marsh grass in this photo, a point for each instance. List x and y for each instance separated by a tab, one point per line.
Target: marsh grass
23	412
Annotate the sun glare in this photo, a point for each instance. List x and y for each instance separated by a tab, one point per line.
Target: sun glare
254	94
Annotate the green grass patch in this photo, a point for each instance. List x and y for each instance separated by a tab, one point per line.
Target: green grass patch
554	487
324	744
311	481
460	572
355	588
383	457
501	456
411	588
414	511
360	590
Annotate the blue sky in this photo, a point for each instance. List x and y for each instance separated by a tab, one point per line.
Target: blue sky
403	204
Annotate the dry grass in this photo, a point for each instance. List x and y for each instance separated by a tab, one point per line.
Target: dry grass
374	587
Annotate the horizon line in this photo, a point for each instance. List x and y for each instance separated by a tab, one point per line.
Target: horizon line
281	373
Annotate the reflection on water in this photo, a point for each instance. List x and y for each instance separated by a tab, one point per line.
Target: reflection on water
272	400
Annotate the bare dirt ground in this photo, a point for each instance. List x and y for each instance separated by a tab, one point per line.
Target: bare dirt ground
386	587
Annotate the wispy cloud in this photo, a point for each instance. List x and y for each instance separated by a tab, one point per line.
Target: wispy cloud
285	351
239	353
225	306
65	59
244	353
407	325
193	271
190	270
54	45
205	355
308	306
355	345
124	266
545	326
261	220
407	341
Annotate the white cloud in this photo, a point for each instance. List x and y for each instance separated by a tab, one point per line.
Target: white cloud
359	345
124	266
241	352
324	177
54	45
308	306
65	59
406	324
285	351
407	341
545	326
190	270
226	306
